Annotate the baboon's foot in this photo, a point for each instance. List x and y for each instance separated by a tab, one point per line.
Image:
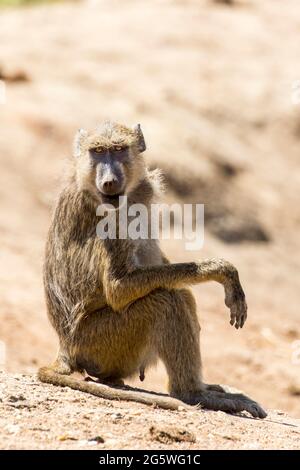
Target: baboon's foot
217	400
236	302
214	388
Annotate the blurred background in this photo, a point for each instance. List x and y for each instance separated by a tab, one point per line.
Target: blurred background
214	85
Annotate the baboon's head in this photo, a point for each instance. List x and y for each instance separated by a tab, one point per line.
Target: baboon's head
109	161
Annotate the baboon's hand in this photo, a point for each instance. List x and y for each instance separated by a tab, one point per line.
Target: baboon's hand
236	302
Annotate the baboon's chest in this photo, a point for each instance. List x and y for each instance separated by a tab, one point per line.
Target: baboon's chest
145	253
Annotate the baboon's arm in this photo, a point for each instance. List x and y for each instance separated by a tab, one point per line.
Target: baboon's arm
121	290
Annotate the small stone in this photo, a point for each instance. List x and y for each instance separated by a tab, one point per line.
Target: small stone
14	398
170	434
230	437
96	440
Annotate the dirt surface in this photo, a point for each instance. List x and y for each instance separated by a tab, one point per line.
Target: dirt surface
211	85
35	416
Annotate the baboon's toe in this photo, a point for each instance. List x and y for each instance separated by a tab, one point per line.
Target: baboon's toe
215	398
256	411
250	406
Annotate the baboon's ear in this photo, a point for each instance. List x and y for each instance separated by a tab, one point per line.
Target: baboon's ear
141	141
78	141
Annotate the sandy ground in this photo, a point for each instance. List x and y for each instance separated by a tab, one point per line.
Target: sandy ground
212	88
35	416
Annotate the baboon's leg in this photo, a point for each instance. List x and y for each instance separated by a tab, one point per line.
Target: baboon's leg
177	341
163	322
176	338
180	350
113	345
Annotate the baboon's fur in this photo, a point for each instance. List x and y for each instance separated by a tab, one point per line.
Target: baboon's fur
118	305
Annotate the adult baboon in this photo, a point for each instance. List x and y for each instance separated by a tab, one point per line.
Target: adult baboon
118	305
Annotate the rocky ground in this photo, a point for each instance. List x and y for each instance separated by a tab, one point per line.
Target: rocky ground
35	416
215	89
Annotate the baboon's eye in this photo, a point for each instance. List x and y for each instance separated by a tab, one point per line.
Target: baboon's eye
99	149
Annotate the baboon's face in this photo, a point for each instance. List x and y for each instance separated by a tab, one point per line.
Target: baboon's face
110	163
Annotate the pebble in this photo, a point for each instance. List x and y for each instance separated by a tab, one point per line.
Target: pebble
14	398
97	440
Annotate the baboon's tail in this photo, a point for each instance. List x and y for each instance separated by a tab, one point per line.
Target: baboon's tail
48	375
211	400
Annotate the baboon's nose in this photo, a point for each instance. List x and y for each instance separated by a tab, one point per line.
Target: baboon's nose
111	186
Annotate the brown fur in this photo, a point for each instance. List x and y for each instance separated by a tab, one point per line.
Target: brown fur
118	305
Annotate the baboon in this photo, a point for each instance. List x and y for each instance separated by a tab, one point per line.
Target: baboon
118	305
